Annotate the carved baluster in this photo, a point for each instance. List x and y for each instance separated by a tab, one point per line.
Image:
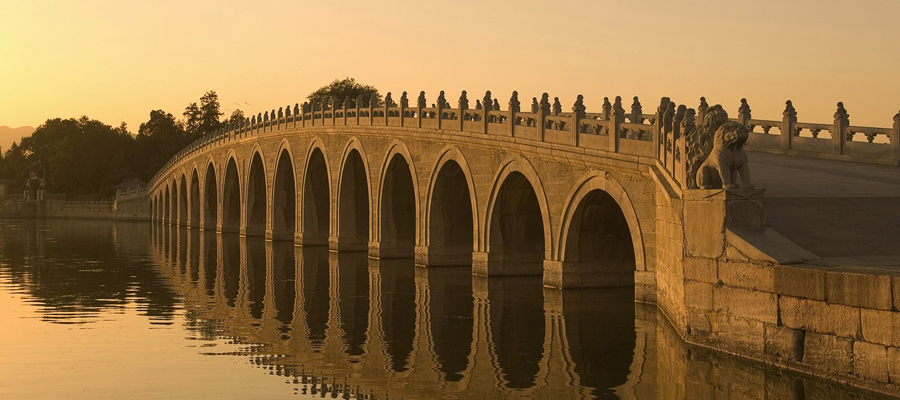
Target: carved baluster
744	113
441	102
606	110
463	105
388	103
373	100
486	112
358	105
616	121
542	115
578	114
788	125
514	107
636	111
895	138
659	129
840	132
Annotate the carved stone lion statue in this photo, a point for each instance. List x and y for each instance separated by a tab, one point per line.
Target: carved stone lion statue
727	159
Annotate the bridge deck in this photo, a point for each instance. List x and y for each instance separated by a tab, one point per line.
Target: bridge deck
846	213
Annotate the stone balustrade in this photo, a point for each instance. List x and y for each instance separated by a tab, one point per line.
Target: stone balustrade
636	132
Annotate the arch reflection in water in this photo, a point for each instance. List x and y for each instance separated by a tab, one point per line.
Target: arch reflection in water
315	292
253	252
516	325
284	292
352	292
450	310
210	261
397	292
231	267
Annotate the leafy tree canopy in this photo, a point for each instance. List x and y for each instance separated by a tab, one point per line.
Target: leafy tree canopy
340	88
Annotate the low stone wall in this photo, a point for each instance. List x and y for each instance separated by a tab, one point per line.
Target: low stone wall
134	208
828	321
77	209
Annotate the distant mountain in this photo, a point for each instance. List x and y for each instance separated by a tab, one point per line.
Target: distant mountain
9	135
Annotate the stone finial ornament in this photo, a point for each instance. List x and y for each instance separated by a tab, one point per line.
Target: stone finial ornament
557	106
477	104
545	104
259	118
306	107
535	107
744	112
789	110
280	112
676	122
421	102
253	120
373	100
514	105
463	101
842	120
606	108
388	100
441	100
404	100
272	114
266	116
487	102
897	121
636	110
296	109
287	111
669	118
727	160
496	105
359	101
578	108
346	104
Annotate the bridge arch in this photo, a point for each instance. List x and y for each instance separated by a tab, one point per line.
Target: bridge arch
284	195
182	200
397	203
619	225
210	195
446	216
231	196
315	198
516	205
167	210
194	198
354	206
255	195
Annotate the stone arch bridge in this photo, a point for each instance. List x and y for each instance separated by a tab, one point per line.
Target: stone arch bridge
582	199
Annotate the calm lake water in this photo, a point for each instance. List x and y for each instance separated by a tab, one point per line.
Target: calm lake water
94	309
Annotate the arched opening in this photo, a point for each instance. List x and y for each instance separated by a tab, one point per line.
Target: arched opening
451	231
231	196
516	241
182	202
599	251
398	211
353	217
166	207
211	200
284	199
353	300
256	198
316	201
194	214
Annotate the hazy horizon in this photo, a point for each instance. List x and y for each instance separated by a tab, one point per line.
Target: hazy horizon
116	61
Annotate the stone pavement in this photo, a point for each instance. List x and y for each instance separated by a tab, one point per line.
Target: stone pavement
847	213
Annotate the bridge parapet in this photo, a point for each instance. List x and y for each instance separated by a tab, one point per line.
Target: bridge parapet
634	133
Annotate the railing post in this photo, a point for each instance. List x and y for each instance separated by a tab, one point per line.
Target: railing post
387	107
439	105
615	124
334	105
463	106
346	106
420	104
578	113
543	111
514	107
788	125
839	131
486	111
895	139
744	113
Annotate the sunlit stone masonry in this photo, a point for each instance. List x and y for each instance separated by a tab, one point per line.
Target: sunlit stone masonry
663	202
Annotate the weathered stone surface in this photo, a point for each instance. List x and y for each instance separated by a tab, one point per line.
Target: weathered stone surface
870	361
800	282
828	352
893	358
859	289
739	334
819	316
896	286
701	269
704	229
747	275
698	295
881	327
759	306
783	343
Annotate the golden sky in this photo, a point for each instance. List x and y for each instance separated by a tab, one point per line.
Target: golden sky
115	60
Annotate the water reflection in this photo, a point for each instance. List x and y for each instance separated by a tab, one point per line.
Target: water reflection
342	325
